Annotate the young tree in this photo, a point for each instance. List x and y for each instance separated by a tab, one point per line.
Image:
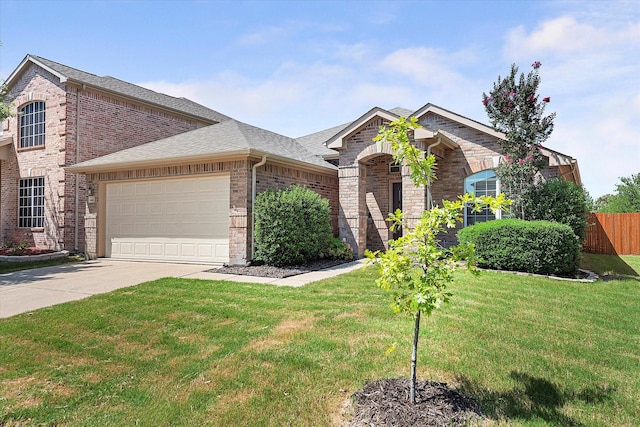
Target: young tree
416	269
514	108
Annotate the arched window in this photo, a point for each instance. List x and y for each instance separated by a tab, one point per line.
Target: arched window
484	183
32	125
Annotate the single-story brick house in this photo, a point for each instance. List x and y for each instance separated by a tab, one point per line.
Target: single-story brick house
187	196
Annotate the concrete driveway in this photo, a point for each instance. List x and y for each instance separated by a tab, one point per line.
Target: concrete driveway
27	290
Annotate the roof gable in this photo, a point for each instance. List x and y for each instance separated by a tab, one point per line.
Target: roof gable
119	87
337	141
432	108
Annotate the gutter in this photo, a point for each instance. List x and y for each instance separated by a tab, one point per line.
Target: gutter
77	177
253	202
429	196
207	157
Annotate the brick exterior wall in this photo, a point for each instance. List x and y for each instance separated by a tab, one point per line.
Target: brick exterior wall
83	123
102	123
267	176
35	85
364	190
276	176
365	180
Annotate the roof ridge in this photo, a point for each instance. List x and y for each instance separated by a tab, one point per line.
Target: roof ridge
132	90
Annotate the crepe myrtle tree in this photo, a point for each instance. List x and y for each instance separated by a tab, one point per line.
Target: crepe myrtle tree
416	269
515	109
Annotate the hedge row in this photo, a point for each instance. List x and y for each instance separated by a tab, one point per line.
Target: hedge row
541	247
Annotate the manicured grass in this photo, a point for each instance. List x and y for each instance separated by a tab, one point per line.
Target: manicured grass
533	351
10	267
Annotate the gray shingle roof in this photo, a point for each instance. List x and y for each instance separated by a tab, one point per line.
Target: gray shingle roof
229	137
400	111
315	142
121	87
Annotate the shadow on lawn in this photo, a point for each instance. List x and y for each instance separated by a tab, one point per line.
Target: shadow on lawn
534	398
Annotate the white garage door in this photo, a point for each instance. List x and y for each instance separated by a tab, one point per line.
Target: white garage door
184	220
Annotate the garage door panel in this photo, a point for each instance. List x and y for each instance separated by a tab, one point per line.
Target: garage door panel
174	220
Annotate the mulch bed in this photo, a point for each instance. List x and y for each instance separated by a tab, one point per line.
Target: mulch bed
24	252
386	403
278	272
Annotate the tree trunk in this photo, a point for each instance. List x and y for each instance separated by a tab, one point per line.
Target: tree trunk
414	359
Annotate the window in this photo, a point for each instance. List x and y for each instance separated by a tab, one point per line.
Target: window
483	183
31	203
32	125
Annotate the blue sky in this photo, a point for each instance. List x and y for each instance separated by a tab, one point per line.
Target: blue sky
296	67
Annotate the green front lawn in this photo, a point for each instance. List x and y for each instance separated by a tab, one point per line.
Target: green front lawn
10	267
533	351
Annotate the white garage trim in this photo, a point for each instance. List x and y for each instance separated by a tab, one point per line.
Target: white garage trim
174	220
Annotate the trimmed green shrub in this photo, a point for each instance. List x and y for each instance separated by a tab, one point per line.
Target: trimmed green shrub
560	201
337	249
541	247
292	226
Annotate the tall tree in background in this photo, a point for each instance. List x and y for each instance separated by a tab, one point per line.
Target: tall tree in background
515	109
5	105
627	197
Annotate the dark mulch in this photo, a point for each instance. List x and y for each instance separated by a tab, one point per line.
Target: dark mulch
24	252
386	403
279	272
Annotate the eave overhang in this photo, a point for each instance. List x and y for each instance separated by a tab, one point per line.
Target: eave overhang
431	108
5	146
175	161
424	134
24	65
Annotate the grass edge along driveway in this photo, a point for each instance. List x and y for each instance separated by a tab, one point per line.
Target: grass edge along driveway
533	351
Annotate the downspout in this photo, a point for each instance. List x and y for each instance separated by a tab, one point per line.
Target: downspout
77	176
429	197
253	203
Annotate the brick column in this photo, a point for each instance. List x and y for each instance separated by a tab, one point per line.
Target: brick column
414	199
90	231
240	214
352	220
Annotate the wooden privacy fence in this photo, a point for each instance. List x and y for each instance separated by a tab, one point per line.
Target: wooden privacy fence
613	234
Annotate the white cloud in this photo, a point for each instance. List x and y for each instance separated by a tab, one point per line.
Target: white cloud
561	35
426	66
591	70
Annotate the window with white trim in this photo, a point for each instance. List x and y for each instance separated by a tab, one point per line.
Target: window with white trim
31	203
32	125
484	183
